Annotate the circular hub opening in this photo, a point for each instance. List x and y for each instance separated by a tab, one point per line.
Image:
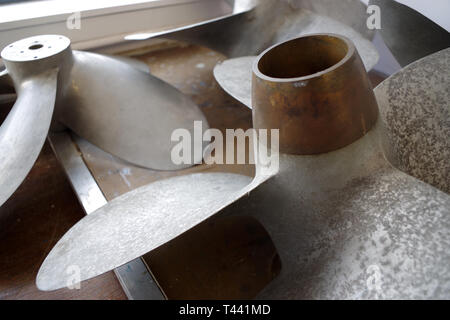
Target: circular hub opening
35	46
303	56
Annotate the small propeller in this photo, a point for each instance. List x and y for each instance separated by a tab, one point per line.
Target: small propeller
114	103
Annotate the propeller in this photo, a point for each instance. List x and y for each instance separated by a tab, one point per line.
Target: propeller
409	35
22	136
336	210
257	24
110	102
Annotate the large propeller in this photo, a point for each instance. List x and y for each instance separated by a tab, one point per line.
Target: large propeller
332	216
111	102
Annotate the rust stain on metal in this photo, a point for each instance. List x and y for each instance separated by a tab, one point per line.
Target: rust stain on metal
316	91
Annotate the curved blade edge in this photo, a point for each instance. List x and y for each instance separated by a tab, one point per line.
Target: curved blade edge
138	222
25	129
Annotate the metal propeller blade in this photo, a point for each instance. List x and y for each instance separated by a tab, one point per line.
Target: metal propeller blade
23	132
335	217
7	94
137	222
422	152
266	22
408	34
235	77
116	104
419	94
126	112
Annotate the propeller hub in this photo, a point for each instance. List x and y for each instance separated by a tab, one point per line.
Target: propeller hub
35	48
316	91
33	55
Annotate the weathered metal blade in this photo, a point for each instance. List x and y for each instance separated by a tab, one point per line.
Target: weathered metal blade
235	77
126	112
408	34
137	222
137	64
249	32
24	130
347	225
415	107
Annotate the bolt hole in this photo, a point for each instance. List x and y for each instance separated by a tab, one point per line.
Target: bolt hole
35	46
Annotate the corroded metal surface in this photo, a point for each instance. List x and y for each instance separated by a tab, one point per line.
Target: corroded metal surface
314	89
22	135
338	218
114	103
235	77
415	107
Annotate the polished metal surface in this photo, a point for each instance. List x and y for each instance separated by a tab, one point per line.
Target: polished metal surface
346	223
235	76
409	35
134	276
266	22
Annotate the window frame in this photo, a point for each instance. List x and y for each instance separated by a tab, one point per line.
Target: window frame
102	27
